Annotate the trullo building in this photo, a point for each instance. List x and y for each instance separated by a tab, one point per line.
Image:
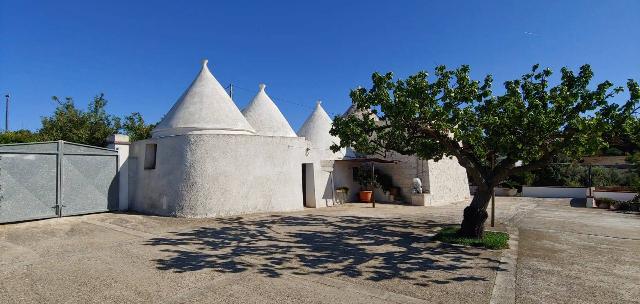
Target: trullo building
207	158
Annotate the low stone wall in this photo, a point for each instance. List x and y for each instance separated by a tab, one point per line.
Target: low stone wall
569	192
554	192
619	196
505	191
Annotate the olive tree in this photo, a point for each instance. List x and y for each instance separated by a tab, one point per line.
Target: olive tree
493	136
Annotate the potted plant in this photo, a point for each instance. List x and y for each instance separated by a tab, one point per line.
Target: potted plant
343	189
342	194
507	188
367	181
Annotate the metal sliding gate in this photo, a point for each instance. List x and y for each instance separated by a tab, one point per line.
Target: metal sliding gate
53	179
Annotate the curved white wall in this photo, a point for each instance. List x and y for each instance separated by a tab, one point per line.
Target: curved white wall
218	175
448	181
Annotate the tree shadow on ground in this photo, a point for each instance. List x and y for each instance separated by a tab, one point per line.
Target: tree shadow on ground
578	202
368	248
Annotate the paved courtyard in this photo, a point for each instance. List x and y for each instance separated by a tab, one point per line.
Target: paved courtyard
349	254
578	255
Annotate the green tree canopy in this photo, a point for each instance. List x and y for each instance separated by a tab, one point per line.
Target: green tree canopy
18	136
452	115
136	128
89	127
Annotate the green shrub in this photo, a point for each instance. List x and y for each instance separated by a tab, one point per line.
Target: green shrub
19	136
344	188
605	202
490	240
510	184
577	175
365	179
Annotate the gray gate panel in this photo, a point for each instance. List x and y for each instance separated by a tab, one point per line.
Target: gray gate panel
47	147
73	148
89	183
27	186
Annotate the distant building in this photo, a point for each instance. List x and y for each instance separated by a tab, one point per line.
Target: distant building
206	158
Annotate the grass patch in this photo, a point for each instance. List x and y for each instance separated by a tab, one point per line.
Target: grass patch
491	239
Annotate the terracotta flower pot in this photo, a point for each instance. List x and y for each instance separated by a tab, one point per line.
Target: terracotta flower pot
365	196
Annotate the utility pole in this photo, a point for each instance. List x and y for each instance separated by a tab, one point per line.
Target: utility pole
373	177
6	113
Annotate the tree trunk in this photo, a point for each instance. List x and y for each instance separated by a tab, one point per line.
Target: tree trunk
476	214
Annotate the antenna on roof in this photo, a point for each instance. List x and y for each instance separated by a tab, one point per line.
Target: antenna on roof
230	87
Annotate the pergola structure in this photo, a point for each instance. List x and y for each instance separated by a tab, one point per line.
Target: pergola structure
372	161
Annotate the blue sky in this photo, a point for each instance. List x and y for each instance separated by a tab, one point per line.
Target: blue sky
143	55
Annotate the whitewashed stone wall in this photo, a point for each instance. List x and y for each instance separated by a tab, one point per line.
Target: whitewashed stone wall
448	181
445	180
323	168
403	172
343	174
219	175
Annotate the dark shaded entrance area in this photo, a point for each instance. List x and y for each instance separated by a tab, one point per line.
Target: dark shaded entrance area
307	184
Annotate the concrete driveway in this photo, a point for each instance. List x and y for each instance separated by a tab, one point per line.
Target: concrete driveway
350	254
577	255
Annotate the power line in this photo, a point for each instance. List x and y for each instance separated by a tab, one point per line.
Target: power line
232	86
274	97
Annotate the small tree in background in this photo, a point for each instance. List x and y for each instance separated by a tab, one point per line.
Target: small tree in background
632	137
18	136
455	116
136	128
89	127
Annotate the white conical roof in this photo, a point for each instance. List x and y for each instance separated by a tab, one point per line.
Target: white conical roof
265	117
352	110
204	108
316	129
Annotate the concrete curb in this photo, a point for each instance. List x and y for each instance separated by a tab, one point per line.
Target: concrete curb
504	288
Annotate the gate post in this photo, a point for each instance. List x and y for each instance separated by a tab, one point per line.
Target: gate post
121	143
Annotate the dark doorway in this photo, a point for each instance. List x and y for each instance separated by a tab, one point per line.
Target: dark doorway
307	185
304	184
